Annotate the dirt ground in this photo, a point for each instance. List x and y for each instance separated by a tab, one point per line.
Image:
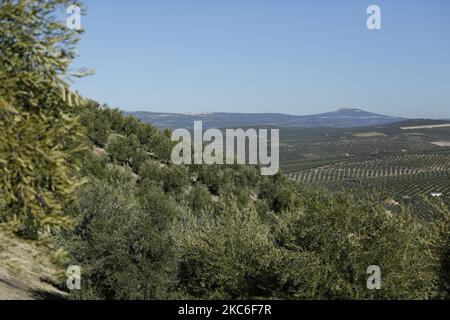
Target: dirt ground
25	273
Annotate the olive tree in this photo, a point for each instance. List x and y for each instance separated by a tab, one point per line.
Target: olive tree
40	131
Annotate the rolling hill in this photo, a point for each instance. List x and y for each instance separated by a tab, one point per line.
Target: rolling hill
342	118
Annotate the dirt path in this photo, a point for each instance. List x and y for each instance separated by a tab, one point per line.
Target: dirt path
25	273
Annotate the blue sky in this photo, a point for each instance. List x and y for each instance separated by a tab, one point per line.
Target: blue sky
288	56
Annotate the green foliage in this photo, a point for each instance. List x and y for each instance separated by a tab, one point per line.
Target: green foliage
123	241
441	244
97	125
277	195
128	140
347	235
176	178
200	199
123	149
212	177
319	251
4	212
228	257
149	230
214	232
40	131
152	171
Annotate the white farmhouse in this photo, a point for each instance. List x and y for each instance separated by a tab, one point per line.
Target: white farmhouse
436	194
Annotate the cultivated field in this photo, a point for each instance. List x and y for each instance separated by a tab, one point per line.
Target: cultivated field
407	166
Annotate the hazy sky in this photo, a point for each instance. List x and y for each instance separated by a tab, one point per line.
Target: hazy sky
297	57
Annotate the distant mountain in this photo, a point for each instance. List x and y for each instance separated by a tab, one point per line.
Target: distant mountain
342	118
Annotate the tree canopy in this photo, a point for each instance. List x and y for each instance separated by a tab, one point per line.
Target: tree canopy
38	114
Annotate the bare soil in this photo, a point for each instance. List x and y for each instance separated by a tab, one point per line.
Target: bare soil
26	272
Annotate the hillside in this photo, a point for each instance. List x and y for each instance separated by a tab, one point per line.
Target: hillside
26	272
342	118
83	185
225	232
151	230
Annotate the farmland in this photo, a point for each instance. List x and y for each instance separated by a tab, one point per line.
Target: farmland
406	165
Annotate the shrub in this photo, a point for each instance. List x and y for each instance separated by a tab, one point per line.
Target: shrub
226	257
96	123
347	236
123	243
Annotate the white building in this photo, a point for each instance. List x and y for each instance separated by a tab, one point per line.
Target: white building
436	195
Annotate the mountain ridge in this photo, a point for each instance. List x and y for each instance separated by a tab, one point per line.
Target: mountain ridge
341	118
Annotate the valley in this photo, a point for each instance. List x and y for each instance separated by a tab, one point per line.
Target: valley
406	166
403	161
